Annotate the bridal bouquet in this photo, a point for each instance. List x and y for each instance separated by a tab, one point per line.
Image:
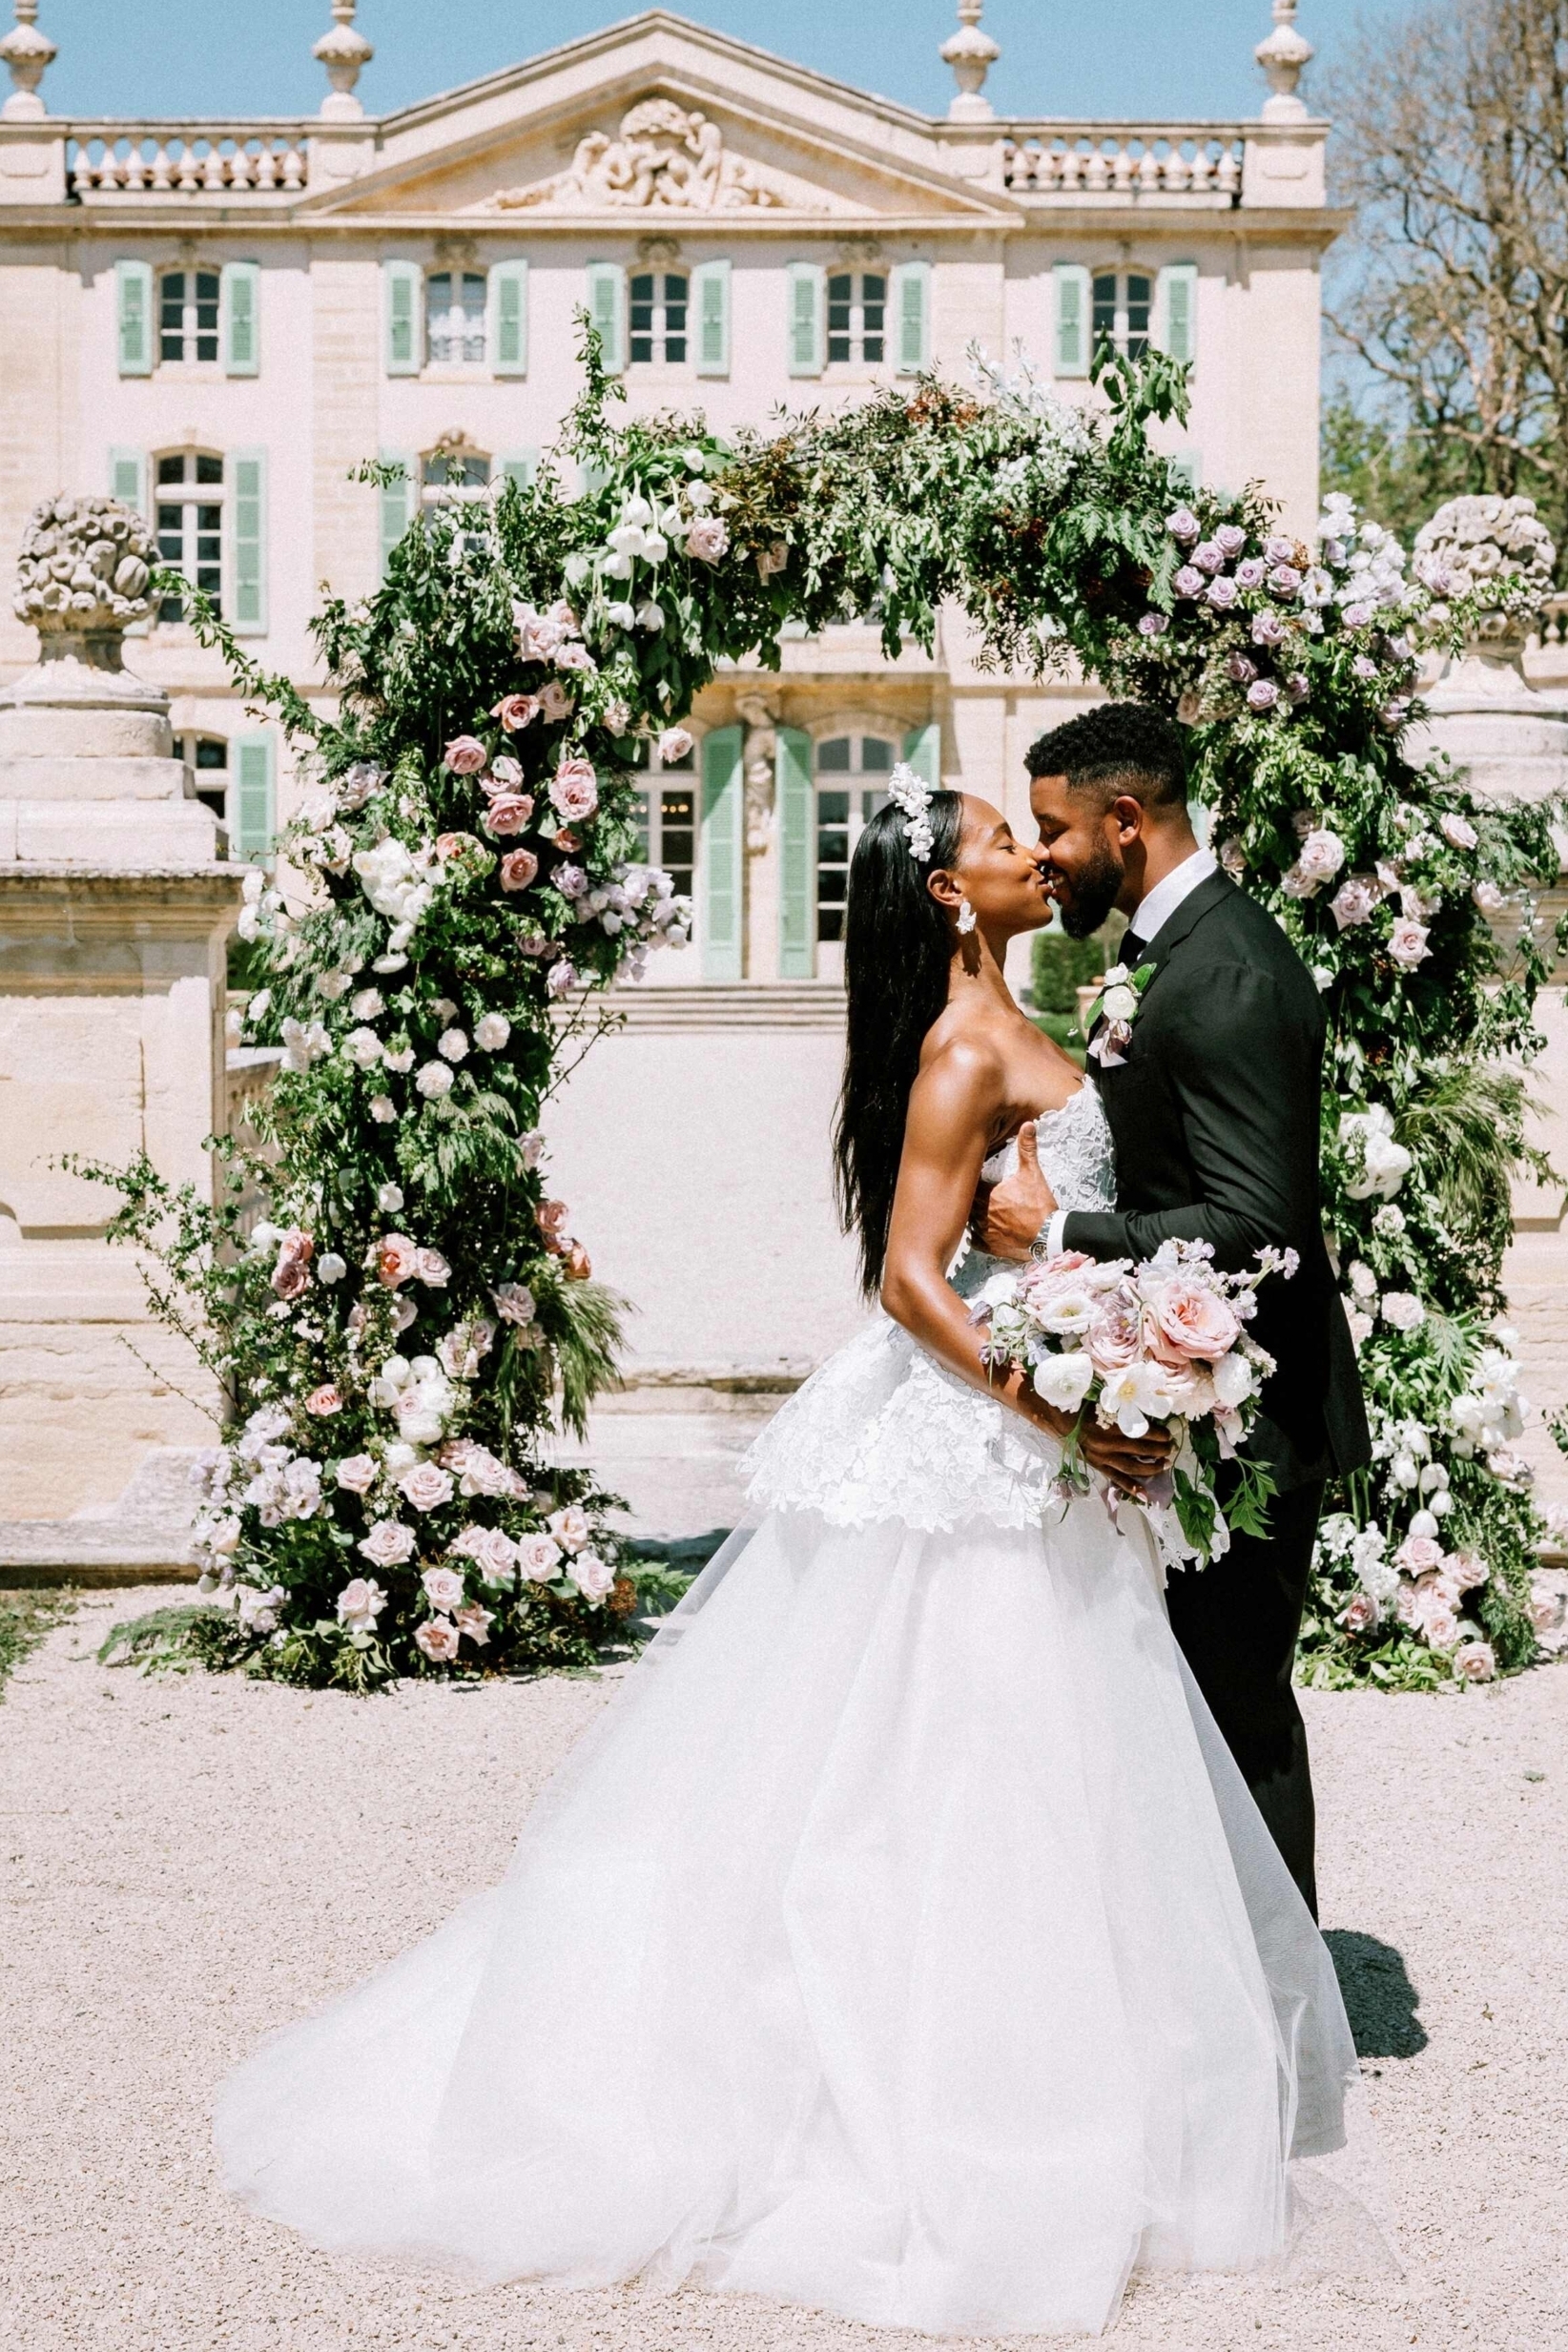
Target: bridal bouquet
1164	1342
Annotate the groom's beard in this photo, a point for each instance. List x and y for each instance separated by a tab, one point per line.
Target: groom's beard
1093	891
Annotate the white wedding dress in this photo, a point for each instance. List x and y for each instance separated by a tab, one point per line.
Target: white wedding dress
901	1940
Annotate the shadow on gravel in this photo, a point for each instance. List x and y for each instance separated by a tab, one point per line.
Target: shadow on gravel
1380	2000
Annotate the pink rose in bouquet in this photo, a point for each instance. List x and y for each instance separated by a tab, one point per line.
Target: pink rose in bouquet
1197	1321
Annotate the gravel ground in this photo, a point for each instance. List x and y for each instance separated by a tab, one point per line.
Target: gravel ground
191	1862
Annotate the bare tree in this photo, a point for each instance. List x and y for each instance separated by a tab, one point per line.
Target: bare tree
1453	286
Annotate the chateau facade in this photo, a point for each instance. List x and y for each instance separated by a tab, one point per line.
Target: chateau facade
222	321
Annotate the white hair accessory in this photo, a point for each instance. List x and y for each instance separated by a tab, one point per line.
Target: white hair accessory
913	794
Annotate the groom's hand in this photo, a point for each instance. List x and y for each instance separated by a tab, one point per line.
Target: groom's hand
1007	1218
1127	1463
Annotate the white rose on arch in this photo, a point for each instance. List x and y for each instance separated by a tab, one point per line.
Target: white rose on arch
1378	1164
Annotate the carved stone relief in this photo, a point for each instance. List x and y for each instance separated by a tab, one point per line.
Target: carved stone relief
666	159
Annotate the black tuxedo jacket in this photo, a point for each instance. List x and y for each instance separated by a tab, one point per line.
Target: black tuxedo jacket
1214	1113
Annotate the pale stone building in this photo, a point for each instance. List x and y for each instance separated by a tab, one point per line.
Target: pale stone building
221	321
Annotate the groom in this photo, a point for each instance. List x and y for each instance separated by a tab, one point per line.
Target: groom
1212	1100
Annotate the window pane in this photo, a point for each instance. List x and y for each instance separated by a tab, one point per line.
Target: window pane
639	817
875	756
171	469
1140	297
840	301
1104	309
641	323
677	837
170	535
833	758
209	469
210	752
873	305
674	318
206	313
172	317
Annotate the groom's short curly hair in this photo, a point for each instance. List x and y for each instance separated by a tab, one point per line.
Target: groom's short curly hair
1121	746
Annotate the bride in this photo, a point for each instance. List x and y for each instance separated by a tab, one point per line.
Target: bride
901	1940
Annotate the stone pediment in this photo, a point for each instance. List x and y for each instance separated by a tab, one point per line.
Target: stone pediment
659	117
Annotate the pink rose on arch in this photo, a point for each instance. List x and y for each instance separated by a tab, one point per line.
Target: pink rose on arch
1230	539
450	845
593	1576
1361	1613
1187	582
1222	592
327	1399
574	790
432	1267
515	710
509	812
356	1473
438	1639
444	1587
1407	943
1441	1626
1197	1321
517	868
1458	830
475	1622
397	1260
427	1487
538	1558
388	1543
554	701
1357	900
1475	1662
1418	1555
291	1275
464	755
550	1217
506	776
515	1302
673	745
708	539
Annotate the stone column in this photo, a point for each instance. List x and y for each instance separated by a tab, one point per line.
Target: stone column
1512	741
114	913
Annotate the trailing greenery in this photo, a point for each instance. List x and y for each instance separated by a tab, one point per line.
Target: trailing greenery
26	1616
399	1337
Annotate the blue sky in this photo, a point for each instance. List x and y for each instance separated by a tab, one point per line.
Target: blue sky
1114	58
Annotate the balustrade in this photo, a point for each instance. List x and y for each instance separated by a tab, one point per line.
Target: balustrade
228	159
1204	160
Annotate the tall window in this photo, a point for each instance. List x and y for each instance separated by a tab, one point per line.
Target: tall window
453	475
857	317
658	316
188	303
454	312
667	816
1124	304
209	756
851	787
189	523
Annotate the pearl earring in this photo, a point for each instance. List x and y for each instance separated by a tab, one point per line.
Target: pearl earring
966	916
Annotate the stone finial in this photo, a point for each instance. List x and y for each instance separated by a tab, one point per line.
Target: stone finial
345	52
1284	56
1488	540
28	53
971	53
85	568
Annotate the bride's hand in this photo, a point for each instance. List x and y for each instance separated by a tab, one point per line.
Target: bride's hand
1008	1217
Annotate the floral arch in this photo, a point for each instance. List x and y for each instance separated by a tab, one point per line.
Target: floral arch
413	1313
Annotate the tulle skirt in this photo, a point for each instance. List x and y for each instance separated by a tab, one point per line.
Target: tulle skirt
900	1941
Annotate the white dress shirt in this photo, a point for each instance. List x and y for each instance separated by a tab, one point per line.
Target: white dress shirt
1150	917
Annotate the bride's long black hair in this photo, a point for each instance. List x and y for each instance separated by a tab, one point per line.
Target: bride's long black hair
897	954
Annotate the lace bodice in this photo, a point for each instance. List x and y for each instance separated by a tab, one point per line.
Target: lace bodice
882	1431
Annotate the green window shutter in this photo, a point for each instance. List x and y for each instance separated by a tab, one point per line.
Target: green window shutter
403	284
520	468
1074	311
607	308
133	303
798	862
723	849
711	301
924	752
242	316
806	337
912	316
399	500
128	476
253	824
248	542
508	320
1176	311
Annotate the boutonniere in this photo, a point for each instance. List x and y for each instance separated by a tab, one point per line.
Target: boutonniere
1121	994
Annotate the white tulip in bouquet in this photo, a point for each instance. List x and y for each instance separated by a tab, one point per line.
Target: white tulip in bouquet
1164	1342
